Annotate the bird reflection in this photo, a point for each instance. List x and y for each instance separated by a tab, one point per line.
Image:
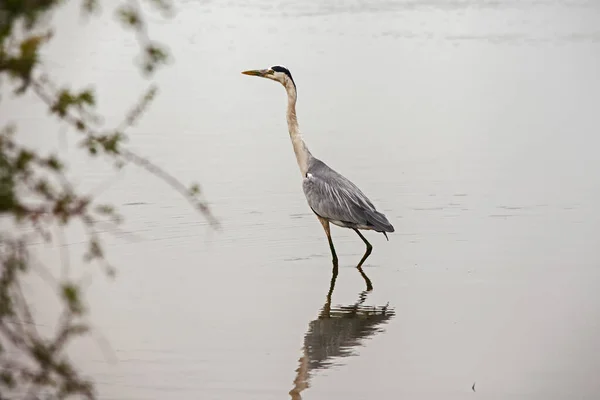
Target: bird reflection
336	331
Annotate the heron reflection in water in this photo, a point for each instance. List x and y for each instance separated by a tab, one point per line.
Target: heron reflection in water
336	331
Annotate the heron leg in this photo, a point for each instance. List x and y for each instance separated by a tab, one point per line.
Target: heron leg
325	224
325	311
366	278
367	253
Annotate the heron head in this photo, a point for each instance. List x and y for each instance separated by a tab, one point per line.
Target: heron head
276	73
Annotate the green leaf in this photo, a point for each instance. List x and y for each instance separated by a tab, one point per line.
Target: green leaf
155	55
129	16
24	159
90	6
87	97
195	189
43	188
94	251
63	102
111	142
54	163
80	125
29	46
70	294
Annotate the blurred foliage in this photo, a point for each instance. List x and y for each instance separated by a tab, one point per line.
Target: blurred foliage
36	196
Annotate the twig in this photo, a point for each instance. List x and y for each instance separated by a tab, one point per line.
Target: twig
64	254
171	181
128	155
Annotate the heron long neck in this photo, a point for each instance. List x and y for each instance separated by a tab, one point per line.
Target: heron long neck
302	153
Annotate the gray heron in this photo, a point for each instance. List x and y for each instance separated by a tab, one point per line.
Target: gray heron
331	196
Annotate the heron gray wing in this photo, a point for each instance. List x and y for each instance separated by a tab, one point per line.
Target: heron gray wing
334	197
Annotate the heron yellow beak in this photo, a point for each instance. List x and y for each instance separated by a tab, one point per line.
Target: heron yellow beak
258	72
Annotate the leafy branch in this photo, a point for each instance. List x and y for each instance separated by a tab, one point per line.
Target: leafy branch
38	200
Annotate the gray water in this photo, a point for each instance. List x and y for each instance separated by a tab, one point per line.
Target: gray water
471	124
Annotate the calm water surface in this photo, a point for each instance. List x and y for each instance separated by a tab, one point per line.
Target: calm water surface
472	124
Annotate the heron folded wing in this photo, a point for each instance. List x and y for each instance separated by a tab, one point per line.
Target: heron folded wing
334	197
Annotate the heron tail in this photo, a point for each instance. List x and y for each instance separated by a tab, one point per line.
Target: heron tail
379	222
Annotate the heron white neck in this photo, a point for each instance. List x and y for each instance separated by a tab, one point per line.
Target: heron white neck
302	153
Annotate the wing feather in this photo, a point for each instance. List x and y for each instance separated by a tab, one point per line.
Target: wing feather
334	197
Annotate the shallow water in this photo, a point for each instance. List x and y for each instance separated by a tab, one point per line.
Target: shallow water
471	124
